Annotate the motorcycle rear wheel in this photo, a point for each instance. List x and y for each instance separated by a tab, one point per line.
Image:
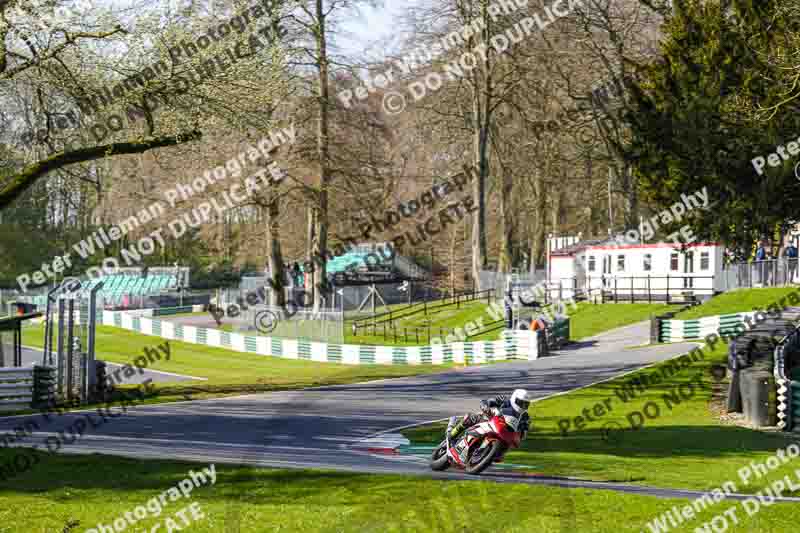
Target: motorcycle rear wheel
439	459
476	468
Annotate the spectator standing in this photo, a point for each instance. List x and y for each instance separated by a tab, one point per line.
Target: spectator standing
761	252
297	275
760	260
790	253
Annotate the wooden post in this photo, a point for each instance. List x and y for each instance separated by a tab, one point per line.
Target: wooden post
668	287
615	289
649	296
632	299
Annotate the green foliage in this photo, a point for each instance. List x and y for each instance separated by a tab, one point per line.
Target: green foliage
698	119
738	302
222	275
592	319
25	238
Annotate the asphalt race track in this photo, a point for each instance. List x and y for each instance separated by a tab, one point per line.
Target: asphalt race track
330	427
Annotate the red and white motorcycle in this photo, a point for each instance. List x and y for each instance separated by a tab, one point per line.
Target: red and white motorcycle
479	446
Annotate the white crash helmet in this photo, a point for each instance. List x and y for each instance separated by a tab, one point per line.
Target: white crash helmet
520	400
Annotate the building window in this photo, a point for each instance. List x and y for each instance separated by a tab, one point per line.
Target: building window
704	260
620	263
673	261
648	262
591	263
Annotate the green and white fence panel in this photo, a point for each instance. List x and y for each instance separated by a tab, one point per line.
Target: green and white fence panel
513	345
525	343
168	329
214	337
349	354
698	328
238	342
190	334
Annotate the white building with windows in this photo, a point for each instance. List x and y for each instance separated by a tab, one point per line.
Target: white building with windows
647	271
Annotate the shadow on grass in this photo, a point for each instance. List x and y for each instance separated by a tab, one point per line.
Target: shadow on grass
702	441
105	473
658	442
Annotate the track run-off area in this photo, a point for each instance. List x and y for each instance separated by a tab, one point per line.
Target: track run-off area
336	427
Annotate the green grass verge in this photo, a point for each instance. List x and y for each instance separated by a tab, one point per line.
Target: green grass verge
75	493
684	447
592	319
230	372
738	301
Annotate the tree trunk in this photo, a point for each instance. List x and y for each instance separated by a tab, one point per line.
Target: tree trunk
538	239
505	259
631	197
555	210
481	102
275	256
311	232
320	243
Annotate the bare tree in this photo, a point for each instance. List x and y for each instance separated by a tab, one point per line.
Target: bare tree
76	63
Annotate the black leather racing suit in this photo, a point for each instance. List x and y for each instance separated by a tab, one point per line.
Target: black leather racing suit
498	405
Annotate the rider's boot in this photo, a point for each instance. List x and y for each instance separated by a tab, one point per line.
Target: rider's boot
456	428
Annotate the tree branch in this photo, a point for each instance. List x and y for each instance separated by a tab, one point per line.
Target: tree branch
16	184
70	39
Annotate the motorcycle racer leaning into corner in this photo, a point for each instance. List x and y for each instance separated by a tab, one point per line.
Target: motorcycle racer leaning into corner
516	406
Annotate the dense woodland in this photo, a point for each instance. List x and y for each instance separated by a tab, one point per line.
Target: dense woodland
606	114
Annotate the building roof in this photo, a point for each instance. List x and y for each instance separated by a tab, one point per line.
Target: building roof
572	249
609	243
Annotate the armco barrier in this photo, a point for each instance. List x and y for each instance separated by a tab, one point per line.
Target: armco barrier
795	411
520	344
16	388
786	383
698	328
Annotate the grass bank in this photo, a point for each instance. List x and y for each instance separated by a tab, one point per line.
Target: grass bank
74	493
590	319
227	371
741	301
682	445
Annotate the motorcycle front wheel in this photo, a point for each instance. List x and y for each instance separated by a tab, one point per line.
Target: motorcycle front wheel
478	463
439	460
